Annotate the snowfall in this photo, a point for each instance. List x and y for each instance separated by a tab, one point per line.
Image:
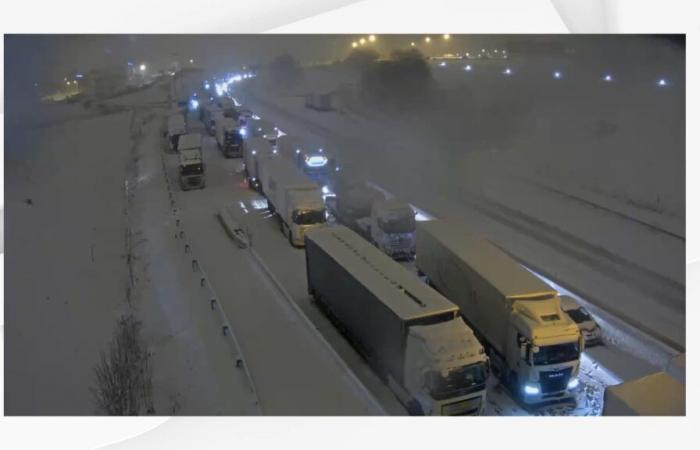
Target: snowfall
583	186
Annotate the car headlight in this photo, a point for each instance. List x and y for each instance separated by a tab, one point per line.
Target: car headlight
573	383
531	388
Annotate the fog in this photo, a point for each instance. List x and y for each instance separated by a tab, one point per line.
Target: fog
569	154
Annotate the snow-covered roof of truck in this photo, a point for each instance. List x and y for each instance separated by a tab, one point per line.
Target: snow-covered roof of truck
499	269
189	141
285	173
657	394
401	291
176	124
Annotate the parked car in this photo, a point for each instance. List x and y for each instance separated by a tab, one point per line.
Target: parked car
590	330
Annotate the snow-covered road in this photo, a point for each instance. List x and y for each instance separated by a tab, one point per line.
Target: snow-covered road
294	371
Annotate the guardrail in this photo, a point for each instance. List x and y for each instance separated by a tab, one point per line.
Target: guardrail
210	294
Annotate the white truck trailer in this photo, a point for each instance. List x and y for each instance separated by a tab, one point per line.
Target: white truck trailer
297	200
255	149
176	128
228	138
191	165
211	114
658	394
534	346
410	335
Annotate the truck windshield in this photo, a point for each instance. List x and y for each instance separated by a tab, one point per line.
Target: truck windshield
192	169
233	138
403	224
309	217
460	381
579	315
555	354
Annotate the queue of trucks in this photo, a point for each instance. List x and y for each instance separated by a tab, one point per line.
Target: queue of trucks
433	347
433	337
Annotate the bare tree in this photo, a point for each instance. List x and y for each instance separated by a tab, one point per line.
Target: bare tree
123	374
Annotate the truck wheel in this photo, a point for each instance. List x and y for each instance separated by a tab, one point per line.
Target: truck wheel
289	233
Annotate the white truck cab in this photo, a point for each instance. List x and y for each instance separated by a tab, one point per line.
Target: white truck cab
446	369
394	228
544	358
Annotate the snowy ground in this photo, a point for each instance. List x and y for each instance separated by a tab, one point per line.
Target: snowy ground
65	273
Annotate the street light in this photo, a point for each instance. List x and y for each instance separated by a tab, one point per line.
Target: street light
427	39
372	38
362	41
354	45
413	44
446	36
142	67
191	61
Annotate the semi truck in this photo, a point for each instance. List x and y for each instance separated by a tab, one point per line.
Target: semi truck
296	199
191	165
411	336
388	224
228	138
255	149
534	346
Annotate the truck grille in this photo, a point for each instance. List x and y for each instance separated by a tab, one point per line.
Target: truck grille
555	380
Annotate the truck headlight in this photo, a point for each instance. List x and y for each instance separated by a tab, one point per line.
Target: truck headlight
531	388
573	383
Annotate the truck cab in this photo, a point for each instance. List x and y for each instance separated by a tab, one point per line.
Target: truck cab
446	369
307	212
394	228
544	351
